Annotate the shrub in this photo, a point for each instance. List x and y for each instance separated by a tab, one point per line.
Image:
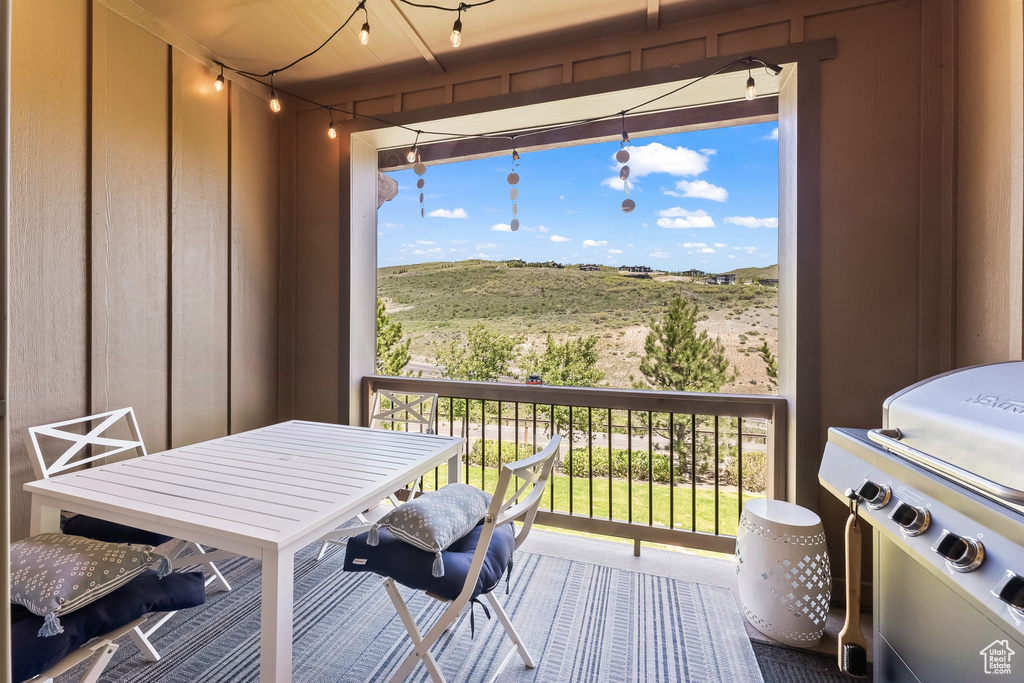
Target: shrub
490	450
755	471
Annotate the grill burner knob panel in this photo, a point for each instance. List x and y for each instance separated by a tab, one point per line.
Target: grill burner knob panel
913	521
875	495
962	554
1011	591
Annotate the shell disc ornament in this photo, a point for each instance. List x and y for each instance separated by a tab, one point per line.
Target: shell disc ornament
628	205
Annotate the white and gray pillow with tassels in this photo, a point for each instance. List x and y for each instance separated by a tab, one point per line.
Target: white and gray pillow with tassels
435	520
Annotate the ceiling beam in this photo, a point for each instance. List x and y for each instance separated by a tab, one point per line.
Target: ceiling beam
396	16
653	7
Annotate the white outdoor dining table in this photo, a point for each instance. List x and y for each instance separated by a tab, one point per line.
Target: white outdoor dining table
264	493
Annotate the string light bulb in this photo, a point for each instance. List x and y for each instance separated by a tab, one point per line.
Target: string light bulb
364	33
275	104
751	90
413	155
456	37
332	132
218	84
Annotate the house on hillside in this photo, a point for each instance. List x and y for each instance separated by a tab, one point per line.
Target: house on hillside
589	266
694	273
728	279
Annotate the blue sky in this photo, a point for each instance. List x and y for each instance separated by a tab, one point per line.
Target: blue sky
704	199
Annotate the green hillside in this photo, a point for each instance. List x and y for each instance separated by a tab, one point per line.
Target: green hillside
452	296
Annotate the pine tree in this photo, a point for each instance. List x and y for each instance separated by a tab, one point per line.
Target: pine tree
680	358
392	352
771	363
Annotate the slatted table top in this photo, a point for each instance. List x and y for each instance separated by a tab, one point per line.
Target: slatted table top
267	488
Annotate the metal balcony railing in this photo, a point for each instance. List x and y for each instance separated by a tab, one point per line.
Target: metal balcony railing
657	466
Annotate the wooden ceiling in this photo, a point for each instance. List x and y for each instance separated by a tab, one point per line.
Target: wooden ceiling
405	41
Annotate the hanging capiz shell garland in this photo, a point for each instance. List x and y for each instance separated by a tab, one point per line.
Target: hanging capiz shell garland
513	179
419	169
622	156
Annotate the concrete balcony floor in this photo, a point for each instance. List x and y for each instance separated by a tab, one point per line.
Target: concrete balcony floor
679	564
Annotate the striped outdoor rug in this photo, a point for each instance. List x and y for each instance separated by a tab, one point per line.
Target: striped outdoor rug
582	622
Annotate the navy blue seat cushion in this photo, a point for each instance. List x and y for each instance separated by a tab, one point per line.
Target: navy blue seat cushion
413	567
145	593
110	532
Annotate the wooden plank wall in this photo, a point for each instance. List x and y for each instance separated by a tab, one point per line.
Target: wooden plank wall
144	236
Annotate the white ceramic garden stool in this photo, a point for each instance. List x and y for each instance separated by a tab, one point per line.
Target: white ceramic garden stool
783	571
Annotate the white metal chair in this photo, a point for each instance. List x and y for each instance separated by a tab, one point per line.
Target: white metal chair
519	505
403	411
100	651
100	437
398	411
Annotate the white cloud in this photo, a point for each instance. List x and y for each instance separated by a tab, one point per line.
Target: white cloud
428	252
693	245
774	135
598	243
481	247
720	245
659	254
541	228
751	222
392	226
657	158
615	183
559	238
460	241
501	227
445	213
615	251
699	189
426	243
709	152
678	217
707	250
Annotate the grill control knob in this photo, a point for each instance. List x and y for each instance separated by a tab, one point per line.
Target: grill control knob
1011	591
875	495
913	521
962	554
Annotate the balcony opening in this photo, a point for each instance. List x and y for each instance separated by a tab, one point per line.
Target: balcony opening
497	320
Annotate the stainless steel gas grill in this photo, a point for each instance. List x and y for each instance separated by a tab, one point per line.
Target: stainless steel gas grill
942	485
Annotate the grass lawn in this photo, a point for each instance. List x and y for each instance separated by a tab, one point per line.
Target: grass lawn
669	506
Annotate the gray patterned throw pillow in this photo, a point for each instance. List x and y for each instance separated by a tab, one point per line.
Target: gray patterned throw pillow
54	574
436	519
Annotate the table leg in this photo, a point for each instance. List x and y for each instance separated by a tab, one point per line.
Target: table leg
44	520
276	617
454	469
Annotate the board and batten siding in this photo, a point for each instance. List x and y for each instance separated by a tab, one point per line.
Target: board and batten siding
144	236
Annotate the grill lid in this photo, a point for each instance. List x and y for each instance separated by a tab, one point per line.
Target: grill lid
967	425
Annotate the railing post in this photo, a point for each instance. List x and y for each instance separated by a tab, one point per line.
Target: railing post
776	454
